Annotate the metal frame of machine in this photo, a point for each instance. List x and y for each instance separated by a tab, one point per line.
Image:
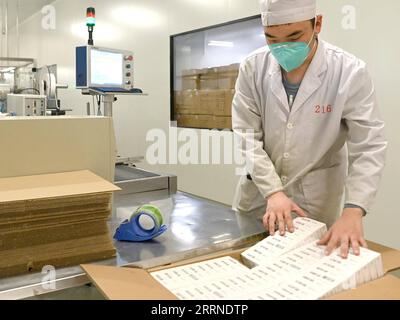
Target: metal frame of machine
41	82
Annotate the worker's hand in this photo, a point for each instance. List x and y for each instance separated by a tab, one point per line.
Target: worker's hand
346	232
279	210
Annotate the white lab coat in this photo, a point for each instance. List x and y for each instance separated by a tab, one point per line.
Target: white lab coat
331	141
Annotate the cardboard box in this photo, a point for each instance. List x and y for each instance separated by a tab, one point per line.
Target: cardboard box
209	79
227	76
191	79
211	101
137	284
234	67
177	100
51	186
190	73
196	121
204	121
54	219
227	83
225	109
187	102
223	78
222	122
385	288
201	102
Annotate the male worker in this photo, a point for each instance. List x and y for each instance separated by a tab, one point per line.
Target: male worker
316	128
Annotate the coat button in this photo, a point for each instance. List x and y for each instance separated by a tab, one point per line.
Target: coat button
290	126
286	155
285	179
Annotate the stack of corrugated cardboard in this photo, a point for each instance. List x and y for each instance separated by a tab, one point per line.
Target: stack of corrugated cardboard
55	219
205	100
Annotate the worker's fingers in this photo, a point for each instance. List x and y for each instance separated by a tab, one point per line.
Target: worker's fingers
344	247
266	221
324	240
289	222
364	243
296	209
355	244
281	224
271	224
332	245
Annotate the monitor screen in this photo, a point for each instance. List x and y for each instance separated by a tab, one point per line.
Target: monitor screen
106	68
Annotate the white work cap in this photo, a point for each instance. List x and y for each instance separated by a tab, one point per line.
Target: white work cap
275	12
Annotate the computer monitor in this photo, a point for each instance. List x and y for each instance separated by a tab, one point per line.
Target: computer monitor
103	68
106	68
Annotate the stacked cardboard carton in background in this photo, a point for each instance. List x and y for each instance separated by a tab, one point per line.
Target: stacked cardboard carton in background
56	219
205	100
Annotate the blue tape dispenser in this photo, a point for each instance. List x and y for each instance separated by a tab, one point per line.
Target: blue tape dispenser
134	229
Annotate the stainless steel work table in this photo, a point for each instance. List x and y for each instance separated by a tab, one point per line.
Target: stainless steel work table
196	226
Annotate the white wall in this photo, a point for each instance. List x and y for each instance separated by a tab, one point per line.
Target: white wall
147	34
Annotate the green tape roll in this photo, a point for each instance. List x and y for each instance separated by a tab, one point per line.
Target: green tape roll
150	210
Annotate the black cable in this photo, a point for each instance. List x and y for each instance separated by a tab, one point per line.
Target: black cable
25	89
